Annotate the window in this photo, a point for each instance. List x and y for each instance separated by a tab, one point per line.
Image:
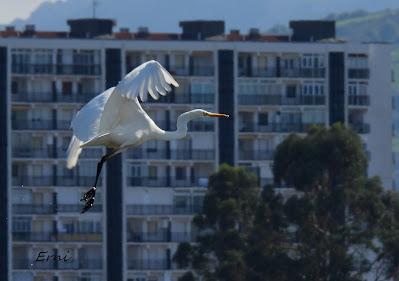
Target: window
14	87
21	224
181	173
263	119
66	88
152	172
291	91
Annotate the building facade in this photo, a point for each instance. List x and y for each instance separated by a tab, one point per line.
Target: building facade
270	86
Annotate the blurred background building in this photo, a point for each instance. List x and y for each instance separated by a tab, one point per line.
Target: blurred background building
270	85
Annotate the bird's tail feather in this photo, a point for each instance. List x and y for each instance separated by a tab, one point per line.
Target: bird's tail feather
73	152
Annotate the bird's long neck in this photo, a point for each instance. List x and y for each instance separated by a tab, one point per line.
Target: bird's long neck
181	130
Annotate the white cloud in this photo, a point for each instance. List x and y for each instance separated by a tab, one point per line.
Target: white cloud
12	9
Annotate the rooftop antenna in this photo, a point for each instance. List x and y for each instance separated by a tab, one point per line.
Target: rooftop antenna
95	4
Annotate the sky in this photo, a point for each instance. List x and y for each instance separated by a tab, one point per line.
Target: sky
163	15
17	9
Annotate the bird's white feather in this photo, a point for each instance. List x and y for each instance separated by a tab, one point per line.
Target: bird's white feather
86	123
73	152
150	77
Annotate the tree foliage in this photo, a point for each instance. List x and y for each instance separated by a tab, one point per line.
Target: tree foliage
340	225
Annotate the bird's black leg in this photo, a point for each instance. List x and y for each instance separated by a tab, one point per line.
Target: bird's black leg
89	195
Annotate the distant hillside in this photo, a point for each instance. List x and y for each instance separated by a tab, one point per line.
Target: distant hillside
382	26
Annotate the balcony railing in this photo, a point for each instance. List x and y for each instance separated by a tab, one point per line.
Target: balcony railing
62	69
192	70
52	97
42	209
192	154
180	154
360	128
34	236
359	73
162	209
76	180
148	264
280	100
77	208
160	236
79	236
78	69
363	100
276	127
40	124
33	209
258	72
30	152
164	182
54	237
50	152
88	153
60	265
24	180
255	155
33	124
303	72
177	98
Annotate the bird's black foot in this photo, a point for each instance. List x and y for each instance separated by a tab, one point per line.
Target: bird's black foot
89	198
89	194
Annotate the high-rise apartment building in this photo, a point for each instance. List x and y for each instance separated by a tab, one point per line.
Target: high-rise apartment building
270	86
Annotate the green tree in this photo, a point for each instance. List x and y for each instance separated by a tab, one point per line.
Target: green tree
335	218
231	223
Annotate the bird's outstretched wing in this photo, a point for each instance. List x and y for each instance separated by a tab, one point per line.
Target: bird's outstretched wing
149	77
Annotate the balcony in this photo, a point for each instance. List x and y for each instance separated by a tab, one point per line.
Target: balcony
57	265
192	70
192	154
79	236
360	128
144	210
77	208
33	236
255	155
42	209
79	69
30	152
24	180
80	264
31	264
42	97
28	68
148	264
76	180
362	100
276	127
180	154
33	209
38	124
280	100
163	182
257	72
303	72
185	99
61	69
87	153
54	237
159	236
358	73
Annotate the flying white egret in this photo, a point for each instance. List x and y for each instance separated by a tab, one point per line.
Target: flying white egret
116	120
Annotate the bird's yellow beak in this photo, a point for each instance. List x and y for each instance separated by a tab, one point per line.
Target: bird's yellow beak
216	114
